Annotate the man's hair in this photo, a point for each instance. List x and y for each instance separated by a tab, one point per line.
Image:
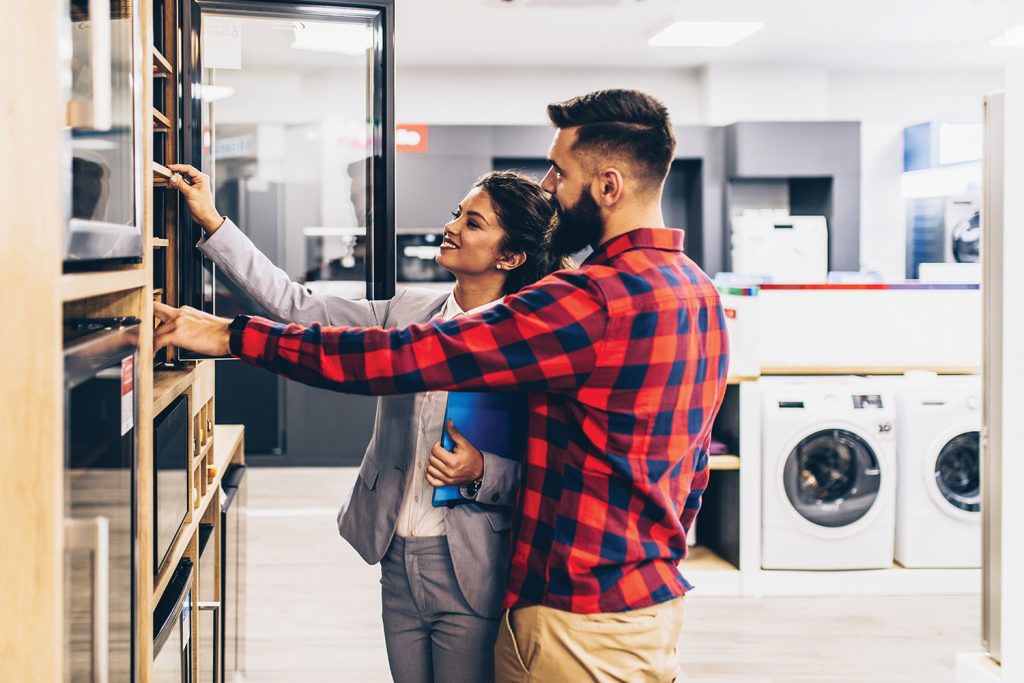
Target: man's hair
625	124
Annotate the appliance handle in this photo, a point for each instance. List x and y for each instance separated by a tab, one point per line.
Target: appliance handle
94	535
214	607
96	113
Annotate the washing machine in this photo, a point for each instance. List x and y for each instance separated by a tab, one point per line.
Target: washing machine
828	473
938	497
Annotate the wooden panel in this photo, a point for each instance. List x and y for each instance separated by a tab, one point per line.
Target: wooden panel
31	402
161	67
724	462
75	286
160	121
168	384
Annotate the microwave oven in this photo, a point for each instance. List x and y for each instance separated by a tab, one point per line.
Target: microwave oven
171	494
104	136
100	535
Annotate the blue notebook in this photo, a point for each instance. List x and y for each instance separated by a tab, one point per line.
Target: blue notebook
492	421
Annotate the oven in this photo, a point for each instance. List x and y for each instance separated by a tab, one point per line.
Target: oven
100	536
171	493
104	135
172	628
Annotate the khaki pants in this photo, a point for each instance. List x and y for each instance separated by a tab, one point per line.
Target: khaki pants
541	644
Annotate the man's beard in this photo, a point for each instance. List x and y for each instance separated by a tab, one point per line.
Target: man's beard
579	226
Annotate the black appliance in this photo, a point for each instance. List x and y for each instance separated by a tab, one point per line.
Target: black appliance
100	370
416	254
104	225
233	572
172	628
171	497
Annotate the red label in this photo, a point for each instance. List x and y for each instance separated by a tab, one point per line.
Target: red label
127	375
412	138
730	313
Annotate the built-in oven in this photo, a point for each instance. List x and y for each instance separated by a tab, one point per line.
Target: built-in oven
416	256
172	628
171	492
100	371
104	134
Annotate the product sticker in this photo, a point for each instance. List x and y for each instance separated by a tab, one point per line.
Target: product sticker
222	42
730	313
127	394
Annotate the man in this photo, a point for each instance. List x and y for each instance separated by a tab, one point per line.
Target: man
625	360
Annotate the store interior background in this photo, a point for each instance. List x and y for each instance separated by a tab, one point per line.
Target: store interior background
885	65
313	606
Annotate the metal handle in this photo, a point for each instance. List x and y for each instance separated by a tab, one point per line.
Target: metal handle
93	535
96	113
214	607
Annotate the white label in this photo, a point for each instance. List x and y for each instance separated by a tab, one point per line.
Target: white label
222	42
127	395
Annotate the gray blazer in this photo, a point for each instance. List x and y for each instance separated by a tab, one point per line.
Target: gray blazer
478	533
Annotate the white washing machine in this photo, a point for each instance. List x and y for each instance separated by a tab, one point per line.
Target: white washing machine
938	498
829	473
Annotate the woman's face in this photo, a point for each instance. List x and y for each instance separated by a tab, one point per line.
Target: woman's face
472	237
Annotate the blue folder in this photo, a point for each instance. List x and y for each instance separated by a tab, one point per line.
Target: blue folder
492	421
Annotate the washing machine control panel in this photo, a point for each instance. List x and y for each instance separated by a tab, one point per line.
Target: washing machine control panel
862	401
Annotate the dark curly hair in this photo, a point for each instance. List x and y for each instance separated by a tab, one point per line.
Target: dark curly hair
527	214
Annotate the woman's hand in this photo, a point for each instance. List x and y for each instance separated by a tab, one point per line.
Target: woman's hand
460	466
188	328
198	195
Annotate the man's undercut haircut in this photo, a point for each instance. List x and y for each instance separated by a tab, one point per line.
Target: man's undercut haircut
625	125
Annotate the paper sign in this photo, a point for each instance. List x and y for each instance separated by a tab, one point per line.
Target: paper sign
127	395
222	42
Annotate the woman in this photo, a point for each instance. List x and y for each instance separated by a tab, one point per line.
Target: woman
443	570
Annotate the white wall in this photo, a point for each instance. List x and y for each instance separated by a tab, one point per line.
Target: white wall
477	95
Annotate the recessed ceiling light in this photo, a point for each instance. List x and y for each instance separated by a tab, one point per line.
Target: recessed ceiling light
705	33
1014	37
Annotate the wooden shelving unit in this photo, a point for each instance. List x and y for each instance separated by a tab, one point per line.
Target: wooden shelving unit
77	286
724	462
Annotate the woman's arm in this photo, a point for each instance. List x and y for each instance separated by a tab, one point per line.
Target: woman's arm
265	283
274	290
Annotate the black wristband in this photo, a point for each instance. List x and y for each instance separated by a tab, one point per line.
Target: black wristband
235	330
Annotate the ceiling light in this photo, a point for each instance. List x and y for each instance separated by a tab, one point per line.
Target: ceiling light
705	33
1014	37
345	39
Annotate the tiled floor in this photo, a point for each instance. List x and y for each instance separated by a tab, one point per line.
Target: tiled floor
313	611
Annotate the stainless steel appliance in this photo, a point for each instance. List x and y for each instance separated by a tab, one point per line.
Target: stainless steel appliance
171	497
172	629
210	649
104	225
100	366
992	377
233	568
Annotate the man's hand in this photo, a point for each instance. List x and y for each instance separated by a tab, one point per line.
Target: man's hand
191	329
197	193
461	466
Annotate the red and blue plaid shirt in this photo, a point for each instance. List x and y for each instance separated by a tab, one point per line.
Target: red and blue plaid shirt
625	363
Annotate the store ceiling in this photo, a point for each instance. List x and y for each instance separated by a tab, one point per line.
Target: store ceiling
905	34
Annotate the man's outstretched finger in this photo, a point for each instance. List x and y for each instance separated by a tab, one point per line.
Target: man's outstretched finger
164	312
162	336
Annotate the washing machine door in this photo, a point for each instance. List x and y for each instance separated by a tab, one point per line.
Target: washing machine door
832	477
956	472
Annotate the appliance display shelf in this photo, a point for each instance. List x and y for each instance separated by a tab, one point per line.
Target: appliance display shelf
76	286
724	462
161	66
168	384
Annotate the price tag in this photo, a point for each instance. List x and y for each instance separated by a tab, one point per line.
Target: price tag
127	394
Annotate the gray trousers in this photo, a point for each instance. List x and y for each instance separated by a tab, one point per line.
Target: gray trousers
431	632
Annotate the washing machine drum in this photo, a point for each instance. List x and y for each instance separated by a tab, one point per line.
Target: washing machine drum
957	472
832	477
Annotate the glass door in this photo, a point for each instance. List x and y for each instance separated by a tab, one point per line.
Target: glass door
291	116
